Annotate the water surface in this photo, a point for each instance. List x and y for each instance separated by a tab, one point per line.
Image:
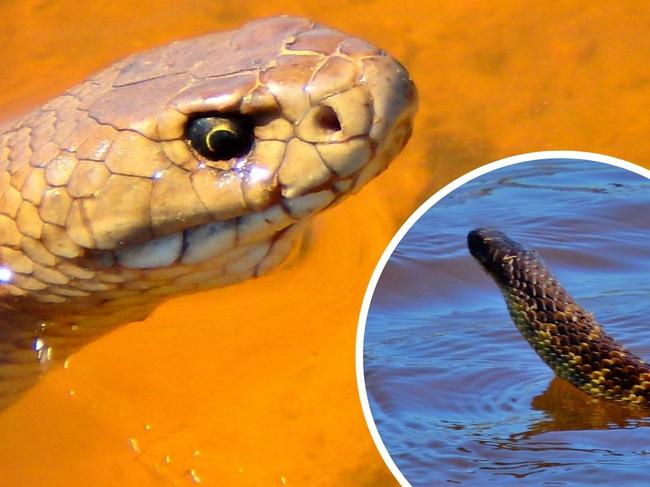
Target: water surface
457	395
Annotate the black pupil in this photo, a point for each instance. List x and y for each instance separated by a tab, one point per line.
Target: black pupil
220	138
226	143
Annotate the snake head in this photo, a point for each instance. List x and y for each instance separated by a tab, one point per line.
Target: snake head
193	164
500	256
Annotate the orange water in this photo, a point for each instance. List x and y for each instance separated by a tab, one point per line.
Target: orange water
255	384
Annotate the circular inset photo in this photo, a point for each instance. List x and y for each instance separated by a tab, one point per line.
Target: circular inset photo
502	334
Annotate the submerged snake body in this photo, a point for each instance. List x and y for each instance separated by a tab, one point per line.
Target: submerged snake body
113	198
562	333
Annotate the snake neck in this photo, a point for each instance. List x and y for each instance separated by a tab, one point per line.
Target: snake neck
563	334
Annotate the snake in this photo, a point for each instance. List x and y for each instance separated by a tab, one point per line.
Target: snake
565	336
186	167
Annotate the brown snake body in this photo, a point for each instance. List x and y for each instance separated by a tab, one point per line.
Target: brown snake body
563	334
186	167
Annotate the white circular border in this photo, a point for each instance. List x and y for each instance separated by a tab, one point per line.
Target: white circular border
426	206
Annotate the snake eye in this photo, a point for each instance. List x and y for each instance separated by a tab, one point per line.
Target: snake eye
220	138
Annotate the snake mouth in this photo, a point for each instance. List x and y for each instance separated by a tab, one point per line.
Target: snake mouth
198	244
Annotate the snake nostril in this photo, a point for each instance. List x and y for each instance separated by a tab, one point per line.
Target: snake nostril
328	119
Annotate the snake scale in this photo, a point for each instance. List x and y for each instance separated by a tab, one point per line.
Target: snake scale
190	166
562	333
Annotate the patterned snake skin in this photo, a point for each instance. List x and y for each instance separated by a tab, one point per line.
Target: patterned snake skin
186	167
562	333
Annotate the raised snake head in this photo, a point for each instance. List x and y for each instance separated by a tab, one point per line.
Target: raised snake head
191	165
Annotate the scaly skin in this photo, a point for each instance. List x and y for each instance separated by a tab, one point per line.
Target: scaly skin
562	333
106	209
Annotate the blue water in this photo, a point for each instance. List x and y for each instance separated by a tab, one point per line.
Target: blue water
457	395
